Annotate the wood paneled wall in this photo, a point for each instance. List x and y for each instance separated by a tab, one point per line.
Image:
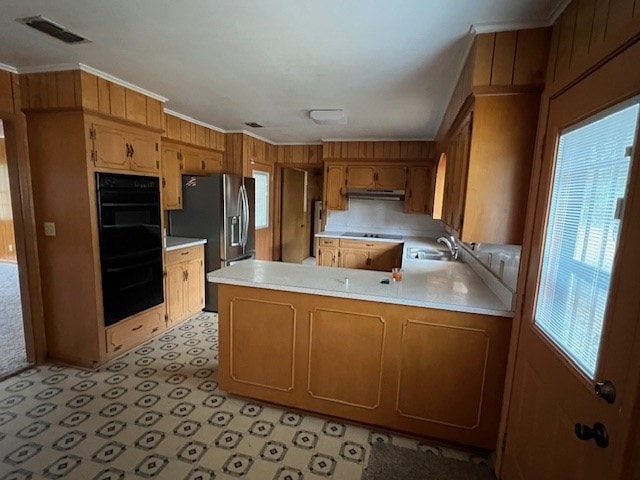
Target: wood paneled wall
7	235
499	63
587	32
79	89
299	155
10	100
184	131
384	150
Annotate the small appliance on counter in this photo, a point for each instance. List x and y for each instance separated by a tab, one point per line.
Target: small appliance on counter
219	208
130	244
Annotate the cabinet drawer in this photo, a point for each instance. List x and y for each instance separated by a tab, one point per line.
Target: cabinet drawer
184	254
135	330
328	242
368	245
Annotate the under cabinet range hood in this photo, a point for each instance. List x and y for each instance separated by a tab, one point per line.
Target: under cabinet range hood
370	194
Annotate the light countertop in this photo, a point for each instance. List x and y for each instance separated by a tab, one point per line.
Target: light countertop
176	243
426	283
342	235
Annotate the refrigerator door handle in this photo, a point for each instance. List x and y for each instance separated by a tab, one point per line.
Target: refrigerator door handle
246	214
240	216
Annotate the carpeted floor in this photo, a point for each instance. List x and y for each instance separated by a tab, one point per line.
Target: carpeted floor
12	349
391	462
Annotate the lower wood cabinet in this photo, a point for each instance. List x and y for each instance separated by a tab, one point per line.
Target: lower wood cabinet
184	283
428	372
135	330
364	255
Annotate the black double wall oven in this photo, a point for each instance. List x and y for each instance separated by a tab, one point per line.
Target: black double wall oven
129	221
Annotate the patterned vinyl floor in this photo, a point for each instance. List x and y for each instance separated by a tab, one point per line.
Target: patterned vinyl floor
157	412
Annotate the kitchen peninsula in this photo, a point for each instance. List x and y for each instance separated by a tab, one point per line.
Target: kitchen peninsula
426	355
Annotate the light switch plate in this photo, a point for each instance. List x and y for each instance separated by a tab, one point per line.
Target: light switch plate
49	229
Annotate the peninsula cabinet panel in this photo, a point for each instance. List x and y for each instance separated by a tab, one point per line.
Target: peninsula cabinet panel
341	370
262	343
428	372
334	188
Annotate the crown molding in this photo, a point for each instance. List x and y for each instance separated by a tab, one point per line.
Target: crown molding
478	28
8	68
62	67
556	12
193	120
377	140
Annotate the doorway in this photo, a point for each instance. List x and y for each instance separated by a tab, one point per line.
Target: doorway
12	334
295	218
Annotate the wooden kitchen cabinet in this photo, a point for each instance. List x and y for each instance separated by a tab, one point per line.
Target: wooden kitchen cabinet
115	146
354	258
335	195
420	190
489	157
135	330
377	177
184	283
360	254
327	257
429	372
171	178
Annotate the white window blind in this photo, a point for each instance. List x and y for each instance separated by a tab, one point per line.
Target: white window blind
262	199
589	183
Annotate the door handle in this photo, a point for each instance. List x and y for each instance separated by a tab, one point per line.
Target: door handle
598	433
606	390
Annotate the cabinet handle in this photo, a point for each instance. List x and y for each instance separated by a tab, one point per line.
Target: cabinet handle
136	328
369	245
202	162
184	253
164	182
128	151
368	262
186	275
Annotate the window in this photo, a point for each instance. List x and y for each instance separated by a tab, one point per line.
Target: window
589	186
262	199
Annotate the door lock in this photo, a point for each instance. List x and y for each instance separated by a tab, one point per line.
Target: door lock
598	433
606	390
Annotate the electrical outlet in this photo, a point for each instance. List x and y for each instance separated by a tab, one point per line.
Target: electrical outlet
49	229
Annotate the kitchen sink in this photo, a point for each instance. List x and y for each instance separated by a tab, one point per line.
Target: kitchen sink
426	253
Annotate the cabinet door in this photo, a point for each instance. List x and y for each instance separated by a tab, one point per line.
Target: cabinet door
361	176
392	177
192	161
350	258
386	259
175	293
334	188
327	257
171	178
145	154
419	194
110	147
194	286
212	163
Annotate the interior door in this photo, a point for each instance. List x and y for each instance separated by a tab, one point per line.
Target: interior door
581	308
264	205
295	215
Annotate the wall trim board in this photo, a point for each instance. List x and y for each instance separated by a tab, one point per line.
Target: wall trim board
8	68
193	120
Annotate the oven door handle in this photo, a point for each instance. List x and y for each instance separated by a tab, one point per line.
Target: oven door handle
130	267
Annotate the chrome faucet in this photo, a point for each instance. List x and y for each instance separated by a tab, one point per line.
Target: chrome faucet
451	244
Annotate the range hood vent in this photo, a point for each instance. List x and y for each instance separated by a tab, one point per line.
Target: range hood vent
366	194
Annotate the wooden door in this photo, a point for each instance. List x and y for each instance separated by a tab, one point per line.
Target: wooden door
145	152
295	216
419	193
334	188
171	178
553	390
175	292
194	286
361	176
192	161
110	147
212	162
327	257
352	258
387	258
391	177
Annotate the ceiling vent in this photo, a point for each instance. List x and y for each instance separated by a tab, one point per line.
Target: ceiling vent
254	125
52	29
328	117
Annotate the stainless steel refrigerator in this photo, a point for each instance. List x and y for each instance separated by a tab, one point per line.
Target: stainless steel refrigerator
219	208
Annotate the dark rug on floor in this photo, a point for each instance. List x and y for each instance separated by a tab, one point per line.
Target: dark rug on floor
12	349
389	462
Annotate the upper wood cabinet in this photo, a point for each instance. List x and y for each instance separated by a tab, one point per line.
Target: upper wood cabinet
382	177
489	157
335	195
420	190
119	147
200	162
171	177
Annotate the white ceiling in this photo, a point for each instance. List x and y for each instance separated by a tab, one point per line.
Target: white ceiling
390	65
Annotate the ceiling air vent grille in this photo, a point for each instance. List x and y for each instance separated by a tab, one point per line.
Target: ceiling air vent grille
254	125
52	29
